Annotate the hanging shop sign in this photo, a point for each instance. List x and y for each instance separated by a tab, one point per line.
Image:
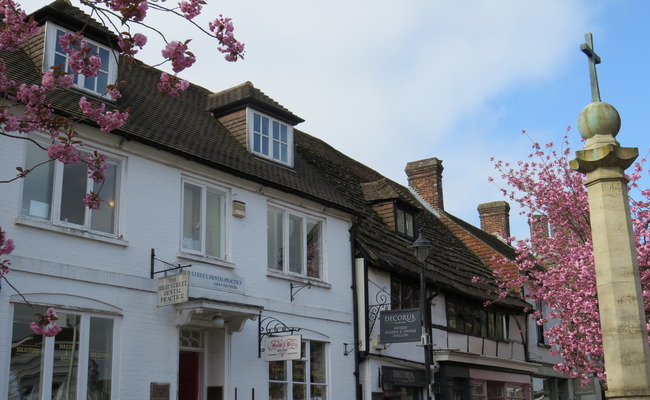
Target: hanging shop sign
400	326
280	348
173	289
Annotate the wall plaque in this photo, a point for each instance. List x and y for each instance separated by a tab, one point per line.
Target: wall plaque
159	391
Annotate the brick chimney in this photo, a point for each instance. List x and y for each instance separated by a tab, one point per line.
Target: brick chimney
425	177
495	217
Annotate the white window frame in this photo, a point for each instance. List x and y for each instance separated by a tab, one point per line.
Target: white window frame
57	193
48	352
224	228
285	268
306	358
51	39
270	154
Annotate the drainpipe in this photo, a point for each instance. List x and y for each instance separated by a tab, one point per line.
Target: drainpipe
355	307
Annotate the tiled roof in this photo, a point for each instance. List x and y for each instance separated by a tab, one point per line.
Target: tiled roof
240	96
186	126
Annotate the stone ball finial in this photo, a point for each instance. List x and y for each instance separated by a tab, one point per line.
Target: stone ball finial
599	118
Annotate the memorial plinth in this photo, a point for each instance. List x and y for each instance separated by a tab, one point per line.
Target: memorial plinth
620	300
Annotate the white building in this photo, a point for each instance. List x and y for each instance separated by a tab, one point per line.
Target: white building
187	186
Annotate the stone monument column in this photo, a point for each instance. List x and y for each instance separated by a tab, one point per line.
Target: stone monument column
622	316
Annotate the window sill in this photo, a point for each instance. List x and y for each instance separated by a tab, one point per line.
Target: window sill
48	226
205	260
302	279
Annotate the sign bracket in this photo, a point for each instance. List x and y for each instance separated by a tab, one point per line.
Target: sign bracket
270	326
174	266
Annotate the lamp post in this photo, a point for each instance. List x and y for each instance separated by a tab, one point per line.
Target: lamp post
421	248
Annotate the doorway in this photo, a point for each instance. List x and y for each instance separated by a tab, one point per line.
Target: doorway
189	363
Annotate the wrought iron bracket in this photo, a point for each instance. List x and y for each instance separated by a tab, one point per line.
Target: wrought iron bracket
174	266
270	326
294	288
347	351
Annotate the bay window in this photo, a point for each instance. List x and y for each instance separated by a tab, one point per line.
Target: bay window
295	243
55	192
74	364
203	227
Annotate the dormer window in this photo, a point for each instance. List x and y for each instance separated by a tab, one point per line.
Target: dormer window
54	55
404	222
270	138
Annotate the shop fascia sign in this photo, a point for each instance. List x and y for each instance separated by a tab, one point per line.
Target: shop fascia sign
173	289
280	348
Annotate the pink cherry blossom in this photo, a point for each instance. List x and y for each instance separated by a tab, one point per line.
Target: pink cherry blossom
556	264
93	201
46	324
171	85
97	166
179	55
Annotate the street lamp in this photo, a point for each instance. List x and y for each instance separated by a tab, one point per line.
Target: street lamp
421	248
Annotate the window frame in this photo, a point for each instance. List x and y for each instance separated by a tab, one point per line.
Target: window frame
477	320
402	216
224	237
308	380
48	351
398	300
51	39
286	254
269	155
56	199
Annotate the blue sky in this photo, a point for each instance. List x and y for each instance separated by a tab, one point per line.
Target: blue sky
390	82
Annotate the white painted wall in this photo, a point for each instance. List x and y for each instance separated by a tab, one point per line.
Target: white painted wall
117	272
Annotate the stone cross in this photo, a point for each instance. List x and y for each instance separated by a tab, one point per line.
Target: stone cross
588	49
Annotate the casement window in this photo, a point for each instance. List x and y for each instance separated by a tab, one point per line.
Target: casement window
295	243
300	379
270	138
477	320
204	220
404	294
55	192
77	363
54	55
404	222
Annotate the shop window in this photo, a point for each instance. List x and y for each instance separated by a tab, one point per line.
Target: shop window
54	55
404	294
204	220
55	191
75	364
270	138
300	379
295	243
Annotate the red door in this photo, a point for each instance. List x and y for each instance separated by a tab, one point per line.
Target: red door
188	375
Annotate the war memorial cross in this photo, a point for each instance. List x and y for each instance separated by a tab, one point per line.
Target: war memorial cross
588	49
